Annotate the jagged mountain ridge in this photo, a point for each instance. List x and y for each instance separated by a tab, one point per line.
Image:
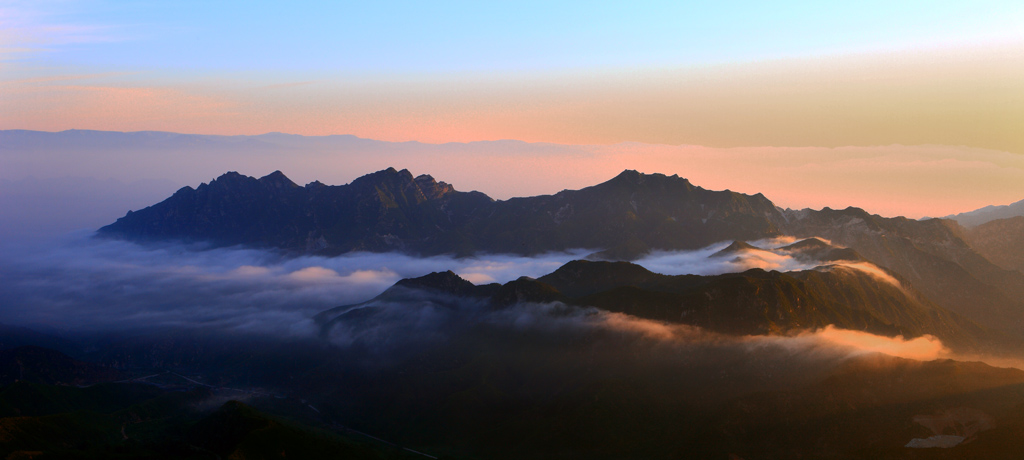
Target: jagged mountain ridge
391	210
754	302
933	255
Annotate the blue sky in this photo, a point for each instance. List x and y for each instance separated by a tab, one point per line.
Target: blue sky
439	37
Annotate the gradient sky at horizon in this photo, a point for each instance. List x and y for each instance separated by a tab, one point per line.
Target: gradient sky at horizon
710	73
737	74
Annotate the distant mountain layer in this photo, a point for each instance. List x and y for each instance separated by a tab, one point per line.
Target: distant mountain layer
988	214
391	210
1001	241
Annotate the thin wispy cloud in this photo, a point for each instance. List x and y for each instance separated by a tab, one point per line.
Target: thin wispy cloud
28	28
63	78
286	85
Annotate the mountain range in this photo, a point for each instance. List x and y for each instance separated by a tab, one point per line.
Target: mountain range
621	219
988	214
391	210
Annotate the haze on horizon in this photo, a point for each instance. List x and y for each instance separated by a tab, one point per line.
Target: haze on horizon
909	109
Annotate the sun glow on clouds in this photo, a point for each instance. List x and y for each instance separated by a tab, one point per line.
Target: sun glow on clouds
923	348
830	339
112	285
870	269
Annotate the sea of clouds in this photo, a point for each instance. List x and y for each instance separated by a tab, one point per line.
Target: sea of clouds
83	283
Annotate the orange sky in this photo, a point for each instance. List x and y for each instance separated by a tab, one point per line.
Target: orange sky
971	96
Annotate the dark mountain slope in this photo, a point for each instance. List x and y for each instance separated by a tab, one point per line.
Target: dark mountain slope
873	406
1001	241
391	210
749	303
932	255
42	365
633	210
759	302
143	421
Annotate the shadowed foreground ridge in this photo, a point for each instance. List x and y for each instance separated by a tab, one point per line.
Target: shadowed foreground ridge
754	302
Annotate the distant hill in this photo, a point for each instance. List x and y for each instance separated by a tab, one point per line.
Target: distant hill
988	214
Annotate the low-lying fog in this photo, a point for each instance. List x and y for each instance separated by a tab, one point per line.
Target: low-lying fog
80	283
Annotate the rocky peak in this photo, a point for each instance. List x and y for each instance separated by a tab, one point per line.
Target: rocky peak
447	282
807	244
390	177
640	184
630	176
431	188
735	247
277	179
230	180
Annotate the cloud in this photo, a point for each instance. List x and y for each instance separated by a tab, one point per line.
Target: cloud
703	261
849	343
314	275
871	269
80	282
691	362
208	307
426	316
94	284
841	343
924	348
27	29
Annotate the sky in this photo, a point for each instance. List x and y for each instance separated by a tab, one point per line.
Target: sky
755	76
